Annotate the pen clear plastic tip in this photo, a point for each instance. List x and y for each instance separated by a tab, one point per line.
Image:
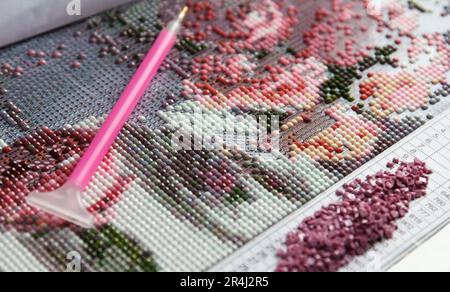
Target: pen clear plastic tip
175	25
64	203
183	13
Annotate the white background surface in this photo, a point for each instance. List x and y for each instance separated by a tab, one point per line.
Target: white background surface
42	15
432	256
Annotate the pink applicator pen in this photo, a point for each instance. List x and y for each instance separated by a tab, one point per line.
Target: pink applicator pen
66	201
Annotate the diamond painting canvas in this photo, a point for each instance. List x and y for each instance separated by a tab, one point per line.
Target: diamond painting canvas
261	107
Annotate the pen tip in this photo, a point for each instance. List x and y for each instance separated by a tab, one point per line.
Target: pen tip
183	12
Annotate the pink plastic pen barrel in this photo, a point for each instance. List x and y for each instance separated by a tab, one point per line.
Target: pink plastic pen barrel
123	109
